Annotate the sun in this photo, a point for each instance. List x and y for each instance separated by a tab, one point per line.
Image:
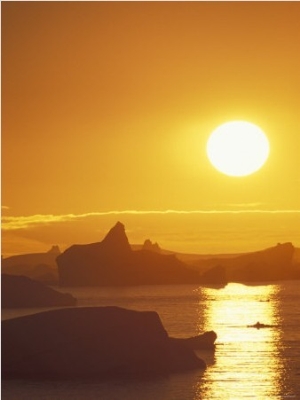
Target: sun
238	148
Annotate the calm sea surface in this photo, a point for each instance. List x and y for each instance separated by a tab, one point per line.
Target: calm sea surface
248	363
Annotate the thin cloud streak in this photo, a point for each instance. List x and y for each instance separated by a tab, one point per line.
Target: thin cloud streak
31	221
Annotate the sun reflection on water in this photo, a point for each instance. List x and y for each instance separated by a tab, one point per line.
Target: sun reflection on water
247	359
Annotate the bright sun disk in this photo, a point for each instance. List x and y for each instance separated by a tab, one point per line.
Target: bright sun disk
238	148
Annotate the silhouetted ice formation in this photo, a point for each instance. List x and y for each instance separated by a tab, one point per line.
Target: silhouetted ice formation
92	342
272	264
38	266
113	262
23	292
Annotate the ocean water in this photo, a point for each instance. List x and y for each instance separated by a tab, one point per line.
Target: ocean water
248	363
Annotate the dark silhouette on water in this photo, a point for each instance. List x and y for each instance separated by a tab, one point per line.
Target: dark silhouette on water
206	341
23	292
38	266
93	342
113	262
215	276
258	325
272	264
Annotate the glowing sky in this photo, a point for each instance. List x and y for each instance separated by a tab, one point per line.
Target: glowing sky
107	107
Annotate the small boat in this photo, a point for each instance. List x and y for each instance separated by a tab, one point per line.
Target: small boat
258	325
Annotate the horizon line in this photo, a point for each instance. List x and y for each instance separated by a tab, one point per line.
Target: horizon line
23	222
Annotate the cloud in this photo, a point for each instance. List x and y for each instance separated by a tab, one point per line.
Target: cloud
22	222
25	222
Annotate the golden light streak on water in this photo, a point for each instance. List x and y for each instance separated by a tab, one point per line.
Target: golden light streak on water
247	360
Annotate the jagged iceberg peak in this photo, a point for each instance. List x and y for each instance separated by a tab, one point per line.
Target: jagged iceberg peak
117	238
148	245
54	250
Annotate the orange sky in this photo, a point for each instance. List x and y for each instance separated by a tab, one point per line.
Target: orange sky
107	107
